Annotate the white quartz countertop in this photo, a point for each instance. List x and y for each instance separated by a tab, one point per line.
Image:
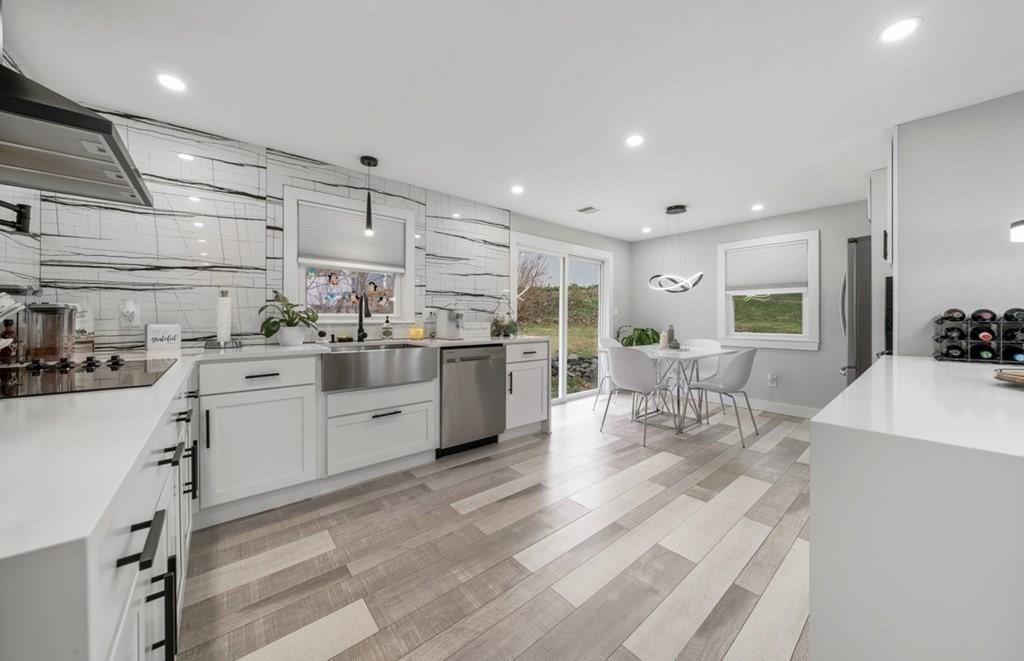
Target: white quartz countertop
951	403
64	457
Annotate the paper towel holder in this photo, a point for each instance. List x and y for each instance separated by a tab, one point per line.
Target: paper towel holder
219	344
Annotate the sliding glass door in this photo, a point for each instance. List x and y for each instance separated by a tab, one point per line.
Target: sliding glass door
559	296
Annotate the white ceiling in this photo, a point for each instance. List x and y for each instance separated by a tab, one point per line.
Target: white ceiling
786	102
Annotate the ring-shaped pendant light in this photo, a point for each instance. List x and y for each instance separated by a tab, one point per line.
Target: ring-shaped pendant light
667	282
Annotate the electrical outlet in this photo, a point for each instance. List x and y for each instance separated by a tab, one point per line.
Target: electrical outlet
773	381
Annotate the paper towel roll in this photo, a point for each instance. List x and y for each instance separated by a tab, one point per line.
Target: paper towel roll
223	317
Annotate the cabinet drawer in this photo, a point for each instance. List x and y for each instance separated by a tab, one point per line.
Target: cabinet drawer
246	375
346	403
363	439
517	353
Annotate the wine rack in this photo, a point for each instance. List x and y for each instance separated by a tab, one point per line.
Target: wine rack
999	347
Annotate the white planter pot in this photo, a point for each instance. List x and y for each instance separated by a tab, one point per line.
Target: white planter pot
291	336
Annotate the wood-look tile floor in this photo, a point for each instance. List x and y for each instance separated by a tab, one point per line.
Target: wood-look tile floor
574	545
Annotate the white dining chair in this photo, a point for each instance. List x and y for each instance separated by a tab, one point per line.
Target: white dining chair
603	344
707	368
633	371
732	381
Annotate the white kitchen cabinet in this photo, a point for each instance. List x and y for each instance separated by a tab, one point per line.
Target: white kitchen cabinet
255	442
527	398
366	427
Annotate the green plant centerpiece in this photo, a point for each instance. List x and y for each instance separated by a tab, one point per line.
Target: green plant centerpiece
637	337
502	326
290	319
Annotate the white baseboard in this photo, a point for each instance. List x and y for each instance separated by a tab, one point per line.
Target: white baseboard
783	408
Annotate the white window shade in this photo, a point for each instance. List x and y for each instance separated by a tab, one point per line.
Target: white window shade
774	266
334	237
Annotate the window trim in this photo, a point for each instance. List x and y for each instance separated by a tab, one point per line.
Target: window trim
809	341
405	283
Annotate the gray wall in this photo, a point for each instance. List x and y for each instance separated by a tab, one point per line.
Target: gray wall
621	255
959	185
805	378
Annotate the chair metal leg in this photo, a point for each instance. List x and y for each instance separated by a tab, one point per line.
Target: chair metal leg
751	411
739	425
606	405
646	399
722	401
600	384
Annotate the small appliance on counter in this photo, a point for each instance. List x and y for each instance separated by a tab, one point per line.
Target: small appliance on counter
449	325
64	376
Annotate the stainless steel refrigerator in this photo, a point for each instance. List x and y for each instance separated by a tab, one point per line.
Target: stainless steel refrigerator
855	308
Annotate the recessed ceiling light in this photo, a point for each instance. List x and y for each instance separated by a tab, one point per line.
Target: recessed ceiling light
634	141
417	236
757	207
1017	231
193	198
197	223
202	240
202	254
186	157
517	189
646	230
172	83
900	30
456	215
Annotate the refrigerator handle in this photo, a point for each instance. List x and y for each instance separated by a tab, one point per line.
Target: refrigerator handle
842	303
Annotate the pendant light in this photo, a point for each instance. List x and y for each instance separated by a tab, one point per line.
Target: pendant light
369	162
674	284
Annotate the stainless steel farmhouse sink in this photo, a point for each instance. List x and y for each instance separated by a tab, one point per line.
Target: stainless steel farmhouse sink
357	366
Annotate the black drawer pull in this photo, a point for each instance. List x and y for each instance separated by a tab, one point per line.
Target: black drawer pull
384	415
175	459
156	528
510	382
192	394
183	416
169	594
263	376
193	457
208	432
529	353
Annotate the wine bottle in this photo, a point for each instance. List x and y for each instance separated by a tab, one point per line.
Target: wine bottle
1013	335
953	333
1014	314
954	314
982	334
953	351
1013	354
983	352
983	315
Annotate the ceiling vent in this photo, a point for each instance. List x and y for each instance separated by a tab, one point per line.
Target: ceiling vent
588	210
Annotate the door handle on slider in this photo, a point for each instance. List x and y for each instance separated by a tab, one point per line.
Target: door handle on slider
842	370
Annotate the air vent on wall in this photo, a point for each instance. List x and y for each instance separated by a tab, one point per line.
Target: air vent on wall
588	210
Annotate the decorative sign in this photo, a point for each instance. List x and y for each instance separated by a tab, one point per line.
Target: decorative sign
163	338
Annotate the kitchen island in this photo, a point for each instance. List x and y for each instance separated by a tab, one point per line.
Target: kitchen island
918	510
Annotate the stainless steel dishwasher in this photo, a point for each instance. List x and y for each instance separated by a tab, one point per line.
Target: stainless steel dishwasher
472	397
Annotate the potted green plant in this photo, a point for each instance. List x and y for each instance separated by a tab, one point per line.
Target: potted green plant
290	321
638	336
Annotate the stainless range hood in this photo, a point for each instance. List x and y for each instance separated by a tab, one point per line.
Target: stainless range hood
54	144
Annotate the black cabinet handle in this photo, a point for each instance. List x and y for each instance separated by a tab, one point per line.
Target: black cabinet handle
193	457
175	459
183	416
192	394
885	244
510	382
208	433
384	415
156	528
529	353
169	594
263	376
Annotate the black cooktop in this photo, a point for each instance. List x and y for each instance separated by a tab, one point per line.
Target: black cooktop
38	378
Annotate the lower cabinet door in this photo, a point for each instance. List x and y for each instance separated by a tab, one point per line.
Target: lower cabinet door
527	396
254	442
362	439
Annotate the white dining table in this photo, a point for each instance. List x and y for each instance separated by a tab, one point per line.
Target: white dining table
681	363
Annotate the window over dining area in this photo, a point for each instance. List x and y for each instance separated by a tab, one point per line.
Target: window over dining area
768	292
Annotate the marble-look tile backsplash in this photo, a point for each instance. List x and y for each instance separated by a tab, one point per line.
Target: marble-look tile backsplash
218	222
